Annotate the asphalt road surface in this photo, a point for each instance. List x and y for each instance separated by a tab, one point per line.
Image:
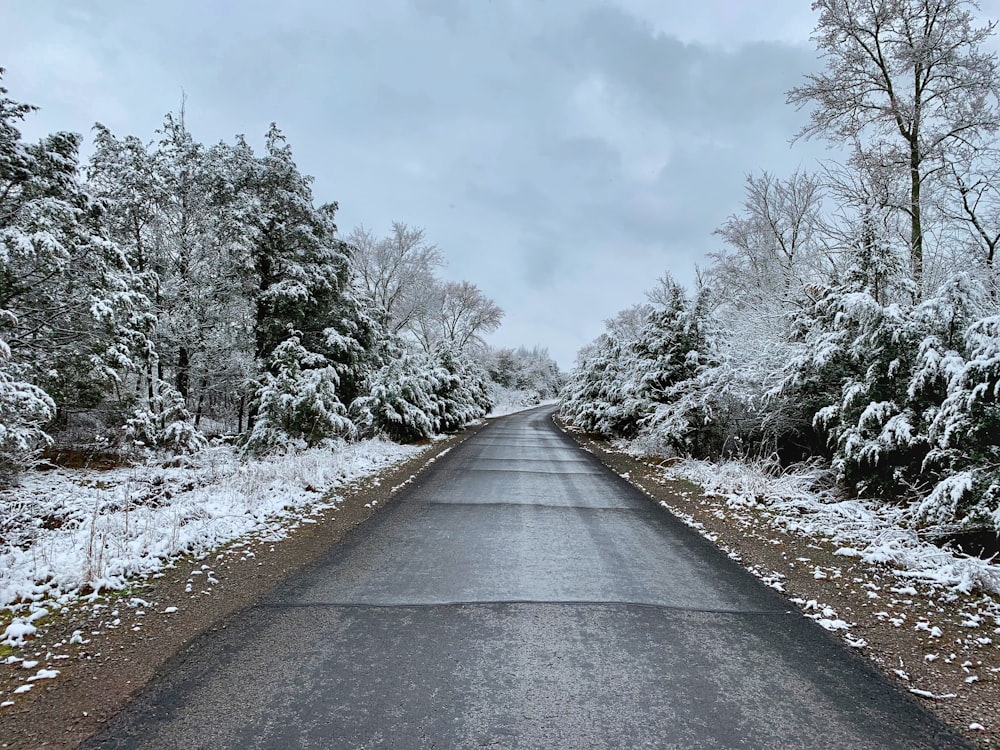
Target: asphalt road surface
520	595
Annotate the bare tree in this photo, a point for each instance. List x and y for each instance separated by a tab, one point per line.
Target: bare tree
976	182
907	77
459	316
774	246
397	272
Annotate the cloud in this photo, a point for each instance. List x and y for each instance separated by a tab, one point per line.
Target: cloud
562	154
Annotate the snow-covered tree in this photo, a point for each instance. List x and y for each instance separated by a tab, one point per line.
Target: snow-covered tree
773	247
396	272
532	371
297	275
457	316
298	402
601	392
401	402
166	200
419	395
72	305
906	80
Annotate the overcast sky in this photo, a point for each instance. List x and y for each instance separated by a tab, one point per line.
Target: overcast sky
563	154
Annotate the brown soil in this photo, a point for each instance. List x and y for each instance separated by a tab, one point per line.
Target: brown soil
960	666
126	641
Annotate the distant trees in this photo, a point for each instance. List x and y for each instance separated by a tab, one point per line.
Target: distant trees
525	369
853	314
437	327
457	315
398	274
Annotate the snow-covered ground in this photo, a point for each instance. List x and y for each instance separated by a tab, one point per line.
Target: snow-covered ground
802	501
68	532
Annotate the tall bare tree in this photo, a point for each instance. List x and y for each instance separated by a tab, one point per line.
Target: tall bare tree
976	179
396	272
773	244
459	315
909	79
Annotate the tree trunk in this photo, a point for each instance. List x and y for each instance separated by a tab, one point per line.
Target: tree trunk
916	230
201	401
183	378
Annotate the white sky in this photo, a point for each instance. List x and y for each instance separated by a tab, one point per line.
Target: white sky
563	154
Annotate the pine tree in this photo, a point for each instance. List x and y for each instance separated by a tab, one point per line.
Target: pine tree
77	304
298	277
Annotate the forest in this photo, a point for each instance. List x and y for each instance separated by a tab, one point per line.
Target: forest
163	292
850	318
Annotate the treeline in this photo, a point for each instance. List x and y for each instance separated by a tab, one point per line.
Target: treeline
169	290
853	314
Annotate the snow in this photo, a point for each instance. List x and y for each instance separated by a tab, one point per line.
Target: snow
44	674
837	624
801	500
931	696
66	532
17	633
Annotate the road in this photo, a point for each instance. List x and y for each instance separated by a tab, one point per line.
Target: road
520	595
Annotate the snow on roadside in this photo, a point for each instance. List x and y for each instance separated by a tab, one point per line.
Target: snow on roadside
68	531
799	501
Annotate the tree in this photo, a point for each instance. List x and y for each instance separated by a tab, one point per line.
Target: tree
298	402
71	304
396	272
605	378
522	369
298	281
975	179
458	315
773	244
25	409
906	80
165	210
418	395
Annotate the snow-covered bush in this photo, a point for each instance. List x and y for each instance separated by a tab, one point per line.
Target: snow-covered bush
402	402
297	403
965	431
164	423
462	389
417	396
